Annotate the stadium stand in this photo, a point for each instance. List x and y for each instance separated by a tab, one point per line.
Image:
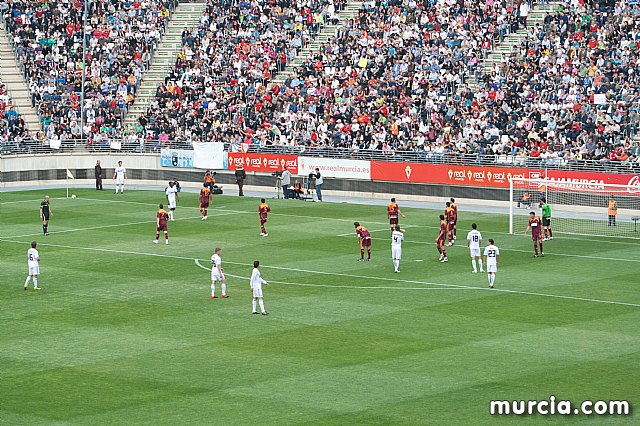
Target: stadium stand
48	41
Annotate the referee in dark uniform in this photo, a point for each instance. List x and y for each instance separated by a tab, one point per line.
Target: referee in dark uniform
45	214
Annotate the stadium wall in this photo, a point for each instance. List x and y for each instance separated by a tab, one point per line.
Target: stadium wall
146	170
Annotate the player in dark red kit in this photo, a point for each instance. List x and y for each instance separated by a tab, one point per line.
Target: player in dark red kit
205	200
364	240
392	213
161	224
535	223
450	217
263	211
442	236
454	206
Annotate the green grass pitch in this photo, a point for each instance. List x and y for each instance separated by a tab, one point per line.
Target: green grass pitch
125	332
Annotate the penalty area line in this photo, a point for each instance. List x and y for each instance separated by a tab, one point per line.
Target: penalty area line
348	287
191	259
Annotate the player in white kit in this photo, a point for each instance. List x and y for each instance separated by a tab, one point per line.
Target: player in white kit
33	260
491	255
397	236
256	288
172	198
217	274
120	175
474	238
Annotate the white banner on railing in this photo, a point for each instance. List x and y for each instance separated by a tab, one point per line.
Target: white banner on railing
335	168
208	155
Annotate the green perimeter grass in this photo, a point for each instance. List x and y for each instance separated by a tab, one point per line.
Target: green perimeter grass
126	332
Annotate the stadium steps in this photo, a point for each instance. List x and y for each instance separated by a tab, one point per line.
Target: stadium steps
11	75
513	40
326	34
186	15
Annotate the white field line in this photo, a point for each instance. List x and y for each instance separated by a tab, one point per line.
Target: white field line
581	256
344	286
528	293
608	240
108	226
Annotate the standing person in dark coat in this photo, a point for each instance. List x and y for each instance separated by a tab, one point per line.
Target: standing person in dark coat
241	175
98	172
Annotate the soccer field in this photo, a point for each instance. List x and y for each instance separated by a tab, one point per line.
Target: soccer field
125	332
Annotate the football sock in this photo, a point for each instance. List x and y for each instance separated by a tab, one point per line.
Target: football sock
444	252
541	250
224	289
535	248
166	235
35	282
396	263
361	253
213	290
473	263
253	305
369	253
26	283
261	305
550	233
492	278
157	236
480	263
44	229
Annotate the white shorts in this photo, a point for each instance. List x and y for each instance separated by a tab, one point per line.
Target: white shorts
492	268
396	252
34	270
120	181
257	292
216	277
474	252
172	203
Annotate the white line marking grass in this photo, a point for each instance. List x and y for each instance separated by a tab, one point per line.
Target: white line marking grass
191	259
581	256
608	240
352	287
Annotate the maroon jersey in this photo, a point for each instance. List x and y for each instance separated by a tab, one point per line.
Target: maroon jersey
263	210
450	214
454	206
536	227
205	195
363	232
443	231
162	216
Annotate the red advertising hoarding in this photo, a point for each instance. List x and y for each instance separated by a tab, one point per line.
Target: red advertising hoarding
263	162
496	177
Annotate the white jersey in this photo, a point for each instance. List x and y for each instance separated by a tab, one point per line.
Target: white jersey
32	257
32	260
475	238
492	252
171	196
120	172
215	262
396	239
256	283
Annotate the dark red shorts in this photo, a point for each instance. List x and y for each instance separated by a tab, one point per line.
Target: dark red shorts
393	220
161	227
204	205
366	242
535	238
440	242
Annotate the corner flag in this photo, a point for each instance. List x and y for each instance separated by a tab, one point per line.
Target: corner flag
69	175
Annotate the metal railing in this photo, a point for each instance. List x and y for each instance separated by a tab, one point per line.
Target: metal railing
140	146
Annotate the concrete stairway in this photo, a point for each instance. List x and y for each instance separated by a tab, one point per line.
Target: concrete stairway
12	77
186	15
513	40
325	34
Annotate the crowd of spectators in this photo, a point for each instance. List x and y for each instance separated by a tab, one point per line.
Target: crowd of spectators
222	73
120	38
394	82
